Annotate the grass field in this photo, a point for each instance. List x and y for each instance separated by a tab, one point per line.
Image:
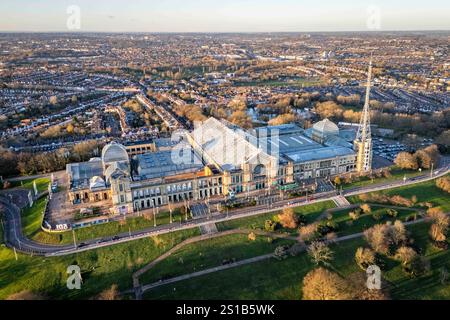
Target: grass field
272	279
100	268
396	174
425	192
32	218
41	184
365	221
266	280
311	211
211	253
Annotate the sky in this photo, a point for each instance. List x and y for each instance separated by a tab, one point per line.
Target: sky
223	15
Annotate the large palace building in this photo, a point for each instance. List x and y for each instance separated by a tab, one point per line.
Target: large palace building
215	159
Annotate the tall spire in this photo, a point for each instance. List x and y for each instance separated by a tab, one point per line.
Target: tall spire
364	130
363	142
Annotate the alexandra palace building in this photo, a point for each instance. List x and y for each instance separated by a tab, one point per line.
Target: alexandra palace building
216	159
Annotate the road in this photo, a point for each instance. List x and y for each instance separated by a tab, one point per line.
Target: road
15	238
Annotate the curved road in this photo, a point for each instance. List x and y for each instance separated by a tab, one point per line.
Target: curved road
15	239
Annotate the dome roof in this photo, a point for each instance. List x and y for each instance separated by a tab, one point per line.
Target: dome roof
114	152
326	127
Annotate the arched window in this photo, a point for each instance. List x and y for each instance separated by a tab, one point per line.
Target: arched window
259	170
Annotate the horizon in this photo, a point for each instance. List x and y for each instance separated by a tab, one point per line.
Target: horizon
225	32
201	16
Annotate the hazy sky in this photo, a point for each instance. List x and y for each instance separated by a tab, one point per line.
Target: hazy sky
226	15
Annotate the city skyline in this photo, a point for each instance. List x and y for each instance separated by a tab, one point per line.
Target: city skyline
233	16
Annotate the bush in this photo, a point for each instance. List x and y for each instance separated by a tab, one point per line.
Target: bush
443	184
354	215
288	219
302	221
392	213
326	227
365	257
270	226
281	252
252	236
308	232
377	215
366	208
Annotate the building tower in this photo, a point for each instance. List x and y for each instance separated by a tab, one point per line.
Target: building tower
363	142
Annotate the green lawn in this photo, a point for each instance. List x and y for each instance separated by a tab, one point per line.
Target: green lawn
266	280
100	268
41	184
116	227
211	253
427	287
347	226
396	174
425	192
272	279
32	218
311	211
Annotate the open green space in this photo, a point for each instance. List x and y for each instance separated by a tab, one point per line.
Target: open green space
311	212
425	192
396	174
100	268
32	219
272	279
347	226
211	253
41	184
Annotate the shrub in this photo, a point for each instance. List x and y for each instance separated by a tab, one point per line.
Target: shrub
281	252
270	226
302	221
308	232
401	201
443	184
252	236
392	213
366	208
353	215
377	215
365	257
288	219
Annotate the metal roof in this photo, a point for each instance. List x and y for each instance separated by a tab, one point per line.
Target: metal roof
323	153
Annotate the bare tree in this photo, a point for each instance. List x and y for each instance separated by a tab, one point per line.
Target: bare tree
320	253
406	255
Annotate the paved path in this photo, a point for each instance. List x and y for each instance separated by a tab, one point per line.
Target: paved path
341	201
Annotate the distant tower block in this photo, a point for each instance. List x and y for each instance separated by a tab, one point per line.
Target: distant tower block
363	142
